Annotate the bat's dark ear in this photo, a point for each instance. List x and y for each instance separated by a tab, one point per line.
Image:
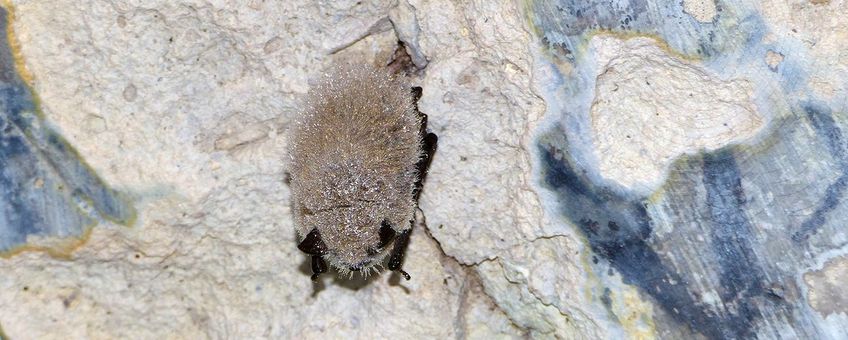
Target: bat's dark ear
387	234
312	244
417	91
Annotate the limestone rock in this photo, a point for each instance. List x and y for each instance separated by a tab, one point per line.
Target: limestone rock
642	170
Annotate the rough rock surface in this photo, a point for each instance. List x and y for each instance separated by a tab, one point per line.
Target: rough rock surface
184	106
648	99
721	218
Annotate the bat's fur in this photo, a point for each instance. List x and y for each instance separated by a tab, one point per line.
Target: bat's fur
354	149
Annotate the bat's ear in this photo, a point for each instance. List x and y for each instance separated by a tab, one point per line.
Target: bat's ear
417	91
312	244
387	234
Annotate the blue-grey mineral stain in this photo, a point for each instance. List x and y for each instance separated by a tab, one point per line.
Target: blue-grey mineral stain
45	188
742	224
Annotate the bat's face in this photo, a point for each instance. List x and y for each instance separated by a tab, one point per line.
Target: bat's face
349	238
361	252
351	234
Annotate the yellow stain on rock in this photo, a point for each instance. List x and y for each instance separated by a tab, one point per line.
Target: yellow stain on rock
61	248
14	44
634	314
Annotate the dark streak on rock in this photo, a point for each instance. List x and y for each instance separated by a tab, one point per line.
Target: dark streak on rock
741	262
606	300
626	249
45	188
19	210
619	230
741	276
821	118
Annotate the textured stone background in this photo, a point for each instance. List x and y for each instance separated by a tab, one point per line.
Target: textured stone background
605	169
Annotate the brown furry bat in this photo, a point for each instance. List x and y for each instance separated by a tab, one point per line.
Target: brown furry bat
359	152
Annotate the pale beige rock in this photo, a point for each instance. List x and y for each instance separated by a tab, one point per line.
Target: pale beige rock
651	107
701	10
477	94
479	199
537	284
826	287
820	30
773	59
405	24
